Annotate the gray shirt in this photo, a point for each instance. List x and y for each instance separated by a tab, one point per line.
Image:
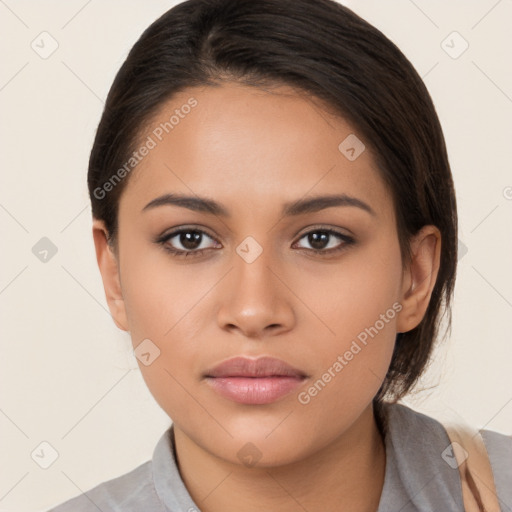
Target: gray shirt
417	478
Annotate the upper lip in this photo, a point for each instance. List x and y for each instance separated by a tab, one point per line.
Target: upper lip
262	367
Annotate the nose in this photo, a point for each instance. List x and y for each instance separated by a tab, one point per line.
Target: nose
256	299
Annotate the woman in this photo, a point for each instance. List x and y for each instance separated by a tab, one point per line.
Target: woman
275	225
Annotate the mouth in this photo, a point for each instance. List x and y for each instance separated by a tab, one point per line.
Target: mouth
254	381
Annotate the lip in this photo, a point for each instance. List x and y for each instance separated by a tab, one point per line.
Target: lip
254	381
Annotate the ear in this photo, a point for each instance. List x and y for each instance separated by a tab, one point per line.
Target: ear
109	269
419	277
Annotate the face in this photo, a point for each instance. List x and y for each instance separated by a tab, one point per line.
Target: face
317	285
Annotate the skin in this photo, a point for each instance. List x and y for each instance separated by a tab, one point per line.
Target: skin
253	150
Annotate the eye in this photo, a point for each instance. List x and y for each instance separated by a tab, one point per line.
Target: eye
185	242
326	241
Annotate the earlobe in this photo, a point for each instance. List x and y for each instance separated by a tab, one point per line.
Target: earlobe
419	277
109	269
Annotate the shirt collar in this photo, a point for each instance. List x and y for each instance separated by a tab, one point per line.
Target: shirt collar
416	476
168	483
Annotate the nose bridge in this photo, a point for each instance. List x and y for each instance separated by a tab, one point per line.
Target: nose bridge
253	267
255	298
254	280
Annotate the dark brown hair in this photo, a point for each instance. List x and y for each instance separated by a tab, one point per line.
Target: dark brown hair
325	50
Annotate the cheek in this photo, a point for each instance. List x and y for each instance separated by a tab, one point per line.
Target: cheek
165	304
357	294
351	364
358	304
158	293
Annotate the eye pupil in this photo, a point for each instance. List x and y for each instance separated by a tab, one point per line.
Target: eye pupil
318	239
190	239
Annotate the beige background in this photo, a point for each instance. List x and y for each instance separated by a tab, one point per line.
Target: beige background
67	374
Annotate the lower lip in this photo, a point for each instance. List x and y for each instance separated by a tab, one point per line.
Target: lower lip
254	390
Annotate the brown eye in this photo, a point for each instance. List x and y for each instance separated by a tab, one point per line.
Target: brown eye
185	242
326	241
190	240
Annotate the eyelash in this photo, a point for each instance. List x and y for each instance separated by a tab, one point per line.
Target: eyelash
178	253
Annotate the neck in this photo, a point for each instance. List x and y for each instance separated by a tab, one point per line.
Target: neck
347	474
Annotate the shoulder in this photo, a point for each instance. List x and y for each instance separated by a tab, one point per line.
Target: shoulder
420	437
499	448
133	491
155	486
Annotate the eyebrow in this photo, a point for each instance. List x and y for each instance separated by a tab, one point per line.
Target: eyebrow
294	208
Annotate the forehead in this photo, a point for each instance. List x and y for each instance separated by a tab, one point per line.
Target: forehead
251	148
